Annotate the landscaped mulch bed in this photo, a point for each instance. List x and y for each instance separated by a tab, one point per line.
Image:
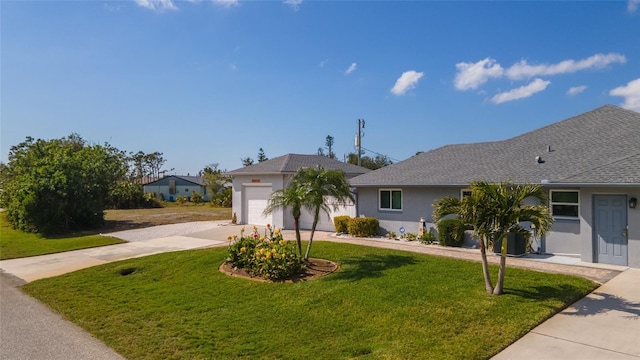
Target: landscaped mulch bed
315	268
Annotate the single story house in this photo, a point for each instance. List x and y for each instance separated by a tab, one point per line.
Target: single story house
589	164
172	186
252	186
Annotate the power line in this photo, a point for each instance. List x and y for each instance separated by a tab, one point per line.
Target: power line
377	153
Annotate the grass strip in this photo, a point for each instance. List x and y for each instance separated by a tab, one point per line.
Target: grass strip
18	244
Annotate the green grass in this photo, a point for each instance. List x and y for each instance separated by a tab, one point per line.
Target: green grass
18	244
382	304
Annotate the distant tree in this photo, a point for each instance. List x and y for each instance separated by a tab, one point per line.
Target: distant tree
368	162
217	184
321	151
143	165
247	161
329	144
261	156
55	186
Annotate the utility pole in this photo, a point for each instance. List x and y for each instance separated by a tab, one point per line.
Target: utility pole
359	140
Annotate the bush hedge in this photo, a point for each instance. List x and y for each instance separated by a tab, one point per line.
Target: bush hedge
451	232
342	223
363	226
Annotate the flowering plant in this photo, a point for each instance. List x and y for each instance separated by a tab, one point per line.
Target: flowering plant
267	256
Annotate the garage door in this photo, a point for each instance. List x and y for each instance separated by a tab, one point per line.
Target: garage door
256	198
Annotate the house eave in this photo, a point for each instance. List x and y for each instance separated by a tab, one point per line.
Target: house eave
583	184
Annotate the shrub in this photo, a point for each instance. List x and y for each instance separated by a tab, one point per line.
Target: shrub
222	198
126	195
427	237
364	226
411	236
342	223
392	235
451	232
196	197
268	256
181	200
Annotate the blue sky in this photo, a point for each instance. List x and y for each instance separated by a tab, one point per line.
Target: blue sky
213	81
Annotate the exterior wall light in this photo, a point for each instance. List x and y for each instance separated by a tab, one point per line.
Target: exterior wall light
633	202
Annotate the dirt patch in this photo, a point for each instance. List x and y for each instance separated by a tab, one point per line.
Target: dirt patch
315	268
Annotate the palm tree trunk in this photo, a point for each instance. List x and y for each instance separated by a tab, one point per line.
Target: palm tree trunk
485	267
503	264
298	241
313	230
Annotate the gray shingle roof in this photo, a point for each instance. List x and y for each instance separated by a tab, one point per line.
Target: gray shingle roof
601	146
290	163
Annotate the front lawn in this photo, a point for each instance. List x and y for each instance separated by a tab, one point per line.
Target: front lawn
382	304
18	244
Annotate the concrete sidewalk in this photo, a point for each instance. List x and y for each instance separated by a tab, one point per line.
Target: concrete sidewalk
603	325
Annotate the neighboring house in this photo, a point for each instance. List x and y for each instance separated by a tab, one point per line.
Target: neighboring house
590	165
253	185
172	186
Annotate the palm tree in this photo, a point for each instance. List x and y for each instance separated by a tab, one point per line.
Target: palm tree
321	184
293	196
494	211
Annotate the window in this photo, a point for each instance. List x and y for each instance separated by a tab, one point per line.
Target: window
390	199
565	203
465	193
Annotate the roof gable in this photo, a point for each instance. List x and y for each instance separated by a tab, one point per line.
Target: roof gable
189	179
580	148
290	163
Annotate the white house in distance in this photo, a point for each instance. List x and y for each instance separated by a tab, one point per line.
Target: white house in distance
172	186
589	164
253	185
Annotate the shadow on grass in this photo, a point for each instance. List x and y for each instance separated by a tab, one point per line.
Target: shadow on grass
354	269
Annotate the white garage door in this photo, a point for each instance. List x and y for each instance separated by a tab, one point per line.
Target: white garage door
256	198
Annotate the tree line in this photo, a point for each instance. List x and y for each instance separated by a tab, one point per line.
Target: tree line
61	185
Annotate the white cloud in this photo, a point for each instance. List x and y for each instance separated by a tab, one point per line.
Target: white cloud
226	3
632	6
157	4
523	70
111	7
407	81
295	4
522	92
324	62
631	94
472	75
351	68
576	90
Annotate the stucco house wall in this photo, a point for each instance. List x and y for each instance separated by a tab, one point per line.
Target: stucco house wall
596	153
275	174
